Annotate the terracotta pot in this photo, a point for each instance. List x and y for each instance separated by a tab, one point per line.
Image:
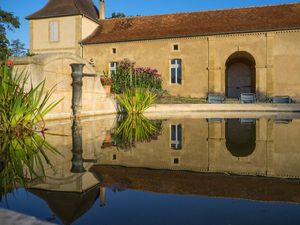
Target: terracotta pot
107	89
108	136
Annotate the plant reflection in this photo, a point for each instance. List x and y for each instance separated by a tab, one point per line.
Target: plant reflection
22	159
133	129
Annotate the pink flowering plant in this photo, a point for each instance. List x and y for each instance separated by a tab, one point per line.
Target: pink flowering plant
128	75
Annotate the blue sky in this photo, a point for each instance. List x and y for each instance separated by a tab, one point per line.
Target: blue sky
23	8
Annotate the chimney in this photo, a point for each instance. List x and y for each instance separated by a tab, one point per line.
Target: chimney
102	10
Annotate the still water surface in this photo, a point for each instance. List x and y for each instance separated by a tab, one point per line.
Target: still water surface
168	171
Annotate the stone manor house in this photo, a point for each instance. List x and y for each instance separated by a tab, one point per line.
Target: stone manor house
231	51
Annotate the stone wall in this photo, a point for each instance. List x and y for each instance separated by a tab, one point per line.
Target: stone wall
55	69
276	56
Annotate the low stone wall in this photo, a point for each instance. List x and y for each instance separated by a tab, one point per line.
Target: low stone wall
12	218
55	69
173	108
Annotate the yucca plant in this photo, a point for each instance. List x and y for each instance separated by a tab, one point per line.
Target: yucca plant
133	129
137	100
22	106
22	144
24	158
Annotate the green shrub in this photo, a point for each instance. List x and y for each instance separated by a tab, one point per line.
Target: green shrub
135	129
129	76
22	108
23	157
137	100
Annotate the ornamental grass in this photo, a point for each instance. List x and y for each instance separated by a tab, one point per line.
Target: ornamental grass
136	100
22	106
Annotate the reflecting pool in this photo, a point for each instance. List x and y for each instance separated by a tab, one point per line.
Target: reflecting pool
172	170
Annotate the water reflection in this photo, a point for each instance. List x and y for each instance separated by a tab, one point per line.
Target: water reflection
240	136
255	147
77	150
22	159
68	206
232	158
134	129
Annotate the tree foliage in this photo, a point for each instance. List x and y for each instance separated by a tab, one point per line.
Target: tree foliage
7	22
118	15
17	48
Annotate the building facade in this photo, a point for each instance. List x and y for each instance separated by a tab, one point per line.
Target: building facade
232	51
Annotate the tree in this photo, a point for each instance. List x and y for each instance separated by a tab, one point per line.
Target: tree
17	48
118	15
7	22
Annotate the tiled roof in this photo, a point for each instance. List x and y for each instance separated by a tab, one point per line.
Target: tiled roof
250	19
57	8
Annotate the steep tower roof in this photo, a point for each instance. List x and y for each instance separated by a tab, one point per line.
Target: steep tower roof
58	8
250	19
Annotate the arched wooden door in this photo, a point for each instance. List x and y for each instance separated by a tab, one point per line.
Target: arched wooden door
240	75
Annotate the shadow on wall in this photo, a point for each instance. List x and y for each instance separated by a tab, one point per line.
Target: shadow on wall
55	68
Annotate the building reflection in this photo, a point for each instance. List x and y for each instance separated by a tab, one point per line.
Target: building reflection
238	146
190	156
240	135
69	189
218	150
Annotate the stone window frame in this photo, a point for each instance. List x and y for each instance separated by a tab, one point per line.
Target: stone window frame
175	141
112	68
172	66
50	31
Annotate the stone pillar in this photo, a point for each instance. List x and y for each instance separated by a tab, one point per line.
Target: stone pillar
31	36
211	64
270	63
77	75
78	35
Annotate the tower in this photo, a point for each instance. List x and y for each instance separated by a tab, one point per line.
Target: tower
61	24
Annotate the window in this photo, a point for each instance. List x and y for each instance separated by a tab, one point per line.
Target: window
176	71
54	35
114	50
176	136
176	47
114	157
113	67
176	161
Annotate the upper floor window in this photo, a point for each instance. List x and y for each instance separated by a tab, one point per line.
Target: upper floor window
176	71
54	31
176	136
113	67
176	47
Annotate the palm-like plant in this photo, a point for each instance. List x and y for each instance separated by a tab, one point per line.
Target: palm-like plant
22	108
133	129
23	159
137	100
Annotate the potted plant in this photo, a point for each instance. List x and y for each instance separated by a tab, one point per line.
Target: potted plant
106	82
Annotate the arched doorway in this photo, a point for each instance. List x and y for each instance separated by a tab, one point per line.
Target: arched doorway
240	136
240	74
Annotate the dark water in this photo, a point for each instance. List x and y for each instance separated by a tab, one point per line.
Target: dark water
171	171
